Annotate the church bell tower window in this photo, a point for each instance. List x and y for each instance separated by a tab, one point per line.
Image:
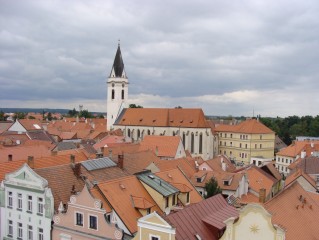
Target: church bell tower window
113	94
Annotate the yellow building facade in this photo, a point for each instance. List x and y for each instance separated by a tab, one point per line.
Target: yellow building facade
247	140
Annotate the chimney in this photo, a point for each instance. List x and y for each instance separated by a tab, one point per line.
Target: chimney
10	157
262	195
312	144
120	161
102	151
77	170
224	166
303	154
72	158
31	162
156	151
110	154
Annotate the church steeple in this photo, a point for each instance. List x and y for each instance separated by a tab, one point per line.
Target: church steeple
118	65
117	89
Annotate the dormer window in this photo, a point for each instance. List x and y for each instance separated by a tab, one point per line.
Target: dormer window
198	179
226	182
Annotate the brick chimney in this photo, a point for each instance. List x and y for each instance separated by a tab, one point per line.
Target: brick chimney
110	154
31	162
262	195
72	159
77	170
120	161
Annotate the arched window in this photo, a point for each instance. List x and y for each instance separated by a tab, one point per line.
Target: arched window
173	133
113	94
122	94
184	137
129	132
200	143
192	143
138	133
148	132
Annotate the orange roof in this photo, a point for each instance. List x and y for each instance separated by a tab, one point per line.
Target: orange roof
175	117
296	211
300	173
109	139
163	146
249	126
259	179
22	152
67	135
141	203
296	147
216	163
180	181
249	198
118	193
8	167
184	164
31	124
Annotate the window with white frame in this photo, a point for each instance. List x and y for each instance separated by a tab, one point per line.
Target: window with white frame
40	234
154	237
20	231
10	199
30	232
79	219
93	222
40	206
19	201
29	203
10	228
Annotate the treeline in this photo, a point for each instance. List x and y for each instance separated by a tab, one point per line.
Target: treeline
290	127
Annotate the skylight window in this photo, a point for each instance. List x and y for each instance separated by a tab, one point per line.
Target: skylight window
36	126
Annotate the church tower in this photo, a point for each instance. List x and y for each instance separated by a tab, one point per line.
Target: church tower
117	89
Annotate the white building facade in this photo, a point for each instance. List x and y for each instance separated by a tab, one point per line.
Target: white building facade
26	206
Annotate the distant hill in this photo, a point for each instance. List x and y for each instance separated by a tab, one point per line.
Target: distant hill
39	110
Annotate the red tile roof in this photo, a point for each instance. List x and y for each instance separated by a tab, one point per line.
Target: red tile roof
163	146
205	219
249	126
296	211
175	117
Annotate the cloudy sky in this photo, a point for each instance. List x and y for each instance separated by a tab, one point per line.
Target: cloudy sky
227	57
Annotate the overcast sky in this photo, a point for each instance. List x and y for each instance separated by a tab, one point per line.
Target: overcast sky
226	57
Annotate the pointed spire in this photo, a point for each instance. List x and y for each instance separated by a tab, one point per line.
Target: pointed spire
118	65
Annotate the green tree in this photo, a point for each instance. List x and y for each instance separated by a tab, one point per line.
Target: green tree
133	105
49	116
73	113
212	188
2	117
19	115
85	114
31	117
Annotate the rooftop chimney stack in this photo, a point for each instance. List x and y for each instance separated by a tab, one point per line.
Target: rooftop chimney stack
110	154
262	195
120	161
72	159
31	162
77	170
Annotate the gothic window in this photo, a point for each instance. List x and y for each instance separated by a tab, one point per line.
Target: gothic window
192	143
184	138
113	94
122	94
138	133
129	132
200	143
148	132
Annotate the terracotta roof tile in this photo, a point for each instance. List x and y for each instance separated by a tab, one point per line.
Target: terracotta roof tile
297	211
118	193
22	152
163	146
202	218
31	124
248	126
182	117
180	181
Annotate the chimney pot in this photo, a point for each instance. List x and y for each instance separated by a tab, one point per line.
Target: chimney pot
262	195
120	161
31	162
72	158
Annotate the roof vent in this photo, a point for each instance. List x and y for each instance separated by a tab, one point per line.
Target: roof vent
181	121
169	175
151	176
198	237
122	186
154	120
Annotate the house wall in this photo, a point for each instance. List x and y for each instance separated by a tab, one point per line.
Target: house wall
65	223
147	234
282	163
159	198
241	146
17	127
